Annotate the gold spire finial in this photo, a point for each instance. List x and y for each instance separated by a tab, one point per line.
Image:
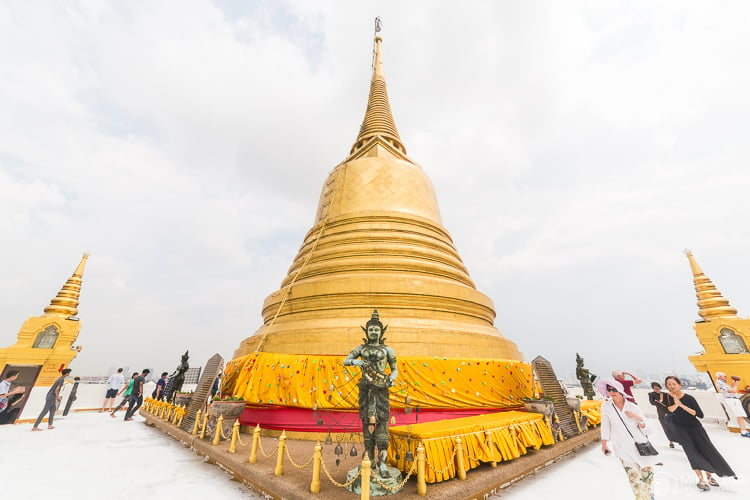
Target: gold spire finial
378	119
711	304
66	301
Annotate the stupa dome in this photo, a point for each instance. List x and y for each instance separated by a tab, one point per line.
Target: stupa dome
378	243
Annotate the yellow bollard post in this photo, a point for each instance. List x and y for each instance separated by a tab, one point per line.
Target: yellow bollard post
491	446
280	458
197	423
203	426
577	416
317	457
366	472
254	448
560	436
460	467
217	434
235	433
421	481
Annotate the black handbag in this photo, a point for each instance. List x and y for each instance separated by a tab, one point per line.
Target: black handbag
644	449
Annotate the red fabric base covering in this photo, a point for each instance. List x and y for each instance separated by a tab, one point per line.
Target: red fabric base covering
306	420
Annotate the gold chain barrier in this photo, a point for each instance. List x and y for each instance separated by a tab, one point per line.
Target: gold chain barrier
300	467
260	446
402	483
445	469
328	475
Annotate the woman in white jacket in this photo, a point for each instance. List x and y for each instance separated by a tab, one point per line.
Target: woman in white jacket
623	423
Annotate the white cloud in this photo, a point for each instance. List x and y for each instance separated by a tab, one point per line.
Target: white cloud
575	150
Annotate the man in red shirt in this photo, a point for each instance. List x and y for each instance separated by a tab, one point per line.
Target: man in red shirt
626	384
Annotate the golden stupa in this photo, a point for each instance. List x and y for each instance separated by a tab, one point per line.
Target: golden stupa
45	343
377	243
724	335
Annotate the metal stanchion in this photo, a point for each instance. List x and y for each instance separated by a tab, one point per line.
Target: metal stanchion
280	459
256	442
460	467
197	423
217	434
366	471
235	434
421	482
317	457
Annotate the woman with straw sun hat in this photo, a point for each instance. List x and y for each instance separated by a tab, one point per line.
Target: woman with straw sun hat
624	424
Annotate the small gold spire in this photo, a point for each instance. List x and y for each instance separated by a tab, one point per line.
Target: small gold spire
711	304
66	301
378	119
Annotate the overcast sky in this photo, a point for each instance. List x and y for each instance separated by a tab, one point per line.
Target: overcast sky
576	149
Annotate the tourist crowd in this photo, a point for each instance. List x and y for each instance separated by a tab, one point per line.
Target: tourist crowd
625	431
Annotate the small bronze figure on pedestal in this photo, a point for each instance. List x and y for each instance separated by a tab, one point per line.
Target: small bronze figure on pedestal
374	407
585	377
175	381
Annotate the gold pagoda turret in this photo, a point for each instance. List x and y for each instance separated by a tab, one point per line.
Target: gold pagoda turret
377	242
45	343
723	335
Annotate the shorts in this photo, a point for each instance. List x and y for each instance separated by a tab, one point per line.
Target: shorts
111	393
734	407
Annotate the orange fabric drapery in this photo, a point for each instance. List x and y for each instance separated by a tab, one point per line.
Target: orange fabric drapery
512	433
309	381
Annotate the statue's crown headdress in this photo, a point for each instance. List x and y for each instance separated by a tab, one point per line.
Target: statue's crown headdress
375	320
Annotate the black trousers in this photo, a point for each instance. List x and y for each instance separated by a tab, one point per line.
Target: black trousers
135	403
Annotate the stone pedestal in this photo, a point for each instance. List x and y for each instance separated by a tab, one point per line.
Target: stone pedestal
375	489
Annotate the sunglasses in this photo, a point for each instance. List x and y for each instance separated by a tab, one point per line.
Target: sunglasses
612	389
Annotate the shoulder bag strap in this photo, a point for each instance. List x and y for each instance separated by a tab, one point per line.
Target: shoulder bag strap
626	427
621	420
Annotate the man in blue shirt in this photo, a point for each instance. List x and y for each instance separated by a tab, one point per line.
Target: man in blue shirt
161	384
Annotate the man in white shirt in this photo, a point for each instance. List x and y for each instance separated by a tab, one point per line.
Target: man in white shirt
5	390
732	400
113	386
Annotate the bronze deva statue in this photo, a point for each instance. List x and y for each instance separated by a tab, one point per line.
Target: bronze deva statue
585	377
374	407
175	381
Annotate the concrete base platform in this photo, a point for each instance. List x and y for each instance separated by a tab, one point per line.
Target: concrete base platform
295	482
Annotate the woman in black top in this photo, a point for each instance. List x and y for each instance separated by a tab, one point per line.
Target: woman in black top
663	400
701	453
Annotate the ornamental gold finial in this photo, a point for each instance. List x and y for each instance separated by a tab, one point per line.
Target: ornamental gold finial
378	119
66	301
711	304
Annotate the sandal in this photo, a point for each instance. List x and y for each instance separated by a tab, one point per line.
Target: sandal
702	486
712	481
